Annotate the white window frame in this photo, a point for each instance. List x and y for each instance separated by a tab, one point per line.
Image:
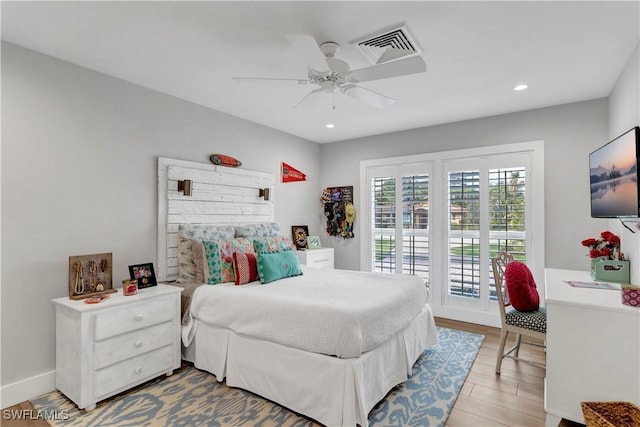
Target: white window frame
398	171
486	314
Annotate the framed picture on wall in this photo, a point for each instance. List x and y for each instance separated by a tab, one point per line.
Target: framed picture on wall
299	235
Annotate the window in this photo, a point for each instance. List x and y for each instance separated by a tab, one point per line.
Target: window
415	225
384	220
486	213
400	246
443	216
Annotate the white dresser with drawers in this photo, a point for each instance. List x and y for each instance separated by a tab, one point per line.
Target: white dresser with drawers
103	349
319	258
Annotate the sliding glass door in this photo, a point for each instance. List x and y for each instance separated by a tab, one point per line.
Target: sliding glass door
443	216
487	212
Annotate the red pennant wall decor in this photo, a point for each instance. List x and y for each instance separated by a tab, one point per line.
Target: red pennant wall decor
291	174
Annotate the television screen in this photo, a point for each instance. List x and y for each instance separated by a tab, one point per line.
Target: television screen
614	177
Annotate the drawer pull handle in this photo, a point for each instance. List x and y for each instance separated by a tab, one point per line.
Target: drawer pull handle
138	317
138	343
138	370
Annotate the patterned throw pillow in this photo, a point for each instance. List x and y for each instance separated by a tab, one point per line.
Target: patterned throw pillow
199	261
220	258
245	267
272	244
273	266
264	229
188	232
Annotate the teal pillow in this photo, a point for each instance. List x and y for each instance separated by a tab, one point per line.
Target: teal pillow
277	265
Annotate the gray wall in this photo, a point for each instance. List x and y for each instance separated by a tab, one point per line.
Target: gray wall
570	133
79	176
624	113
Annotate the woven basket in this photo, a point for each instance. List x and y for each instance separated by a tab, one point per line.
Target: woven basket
611	414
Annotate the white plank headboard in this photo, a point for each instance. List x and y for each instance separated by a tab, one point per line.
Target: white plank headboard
220	195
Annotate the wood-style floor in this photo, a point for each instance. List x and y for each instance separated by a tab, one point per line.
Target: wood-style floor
514	398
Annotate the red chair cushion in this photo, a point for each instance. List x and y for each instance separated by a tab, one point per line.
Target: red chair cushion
521	287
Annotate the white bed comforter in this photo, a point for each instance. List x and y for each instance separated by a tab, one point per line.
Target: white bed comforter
336	312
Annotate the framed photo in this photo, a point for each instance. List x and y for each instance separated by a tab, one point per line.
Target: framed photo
299	235
144	274
313	242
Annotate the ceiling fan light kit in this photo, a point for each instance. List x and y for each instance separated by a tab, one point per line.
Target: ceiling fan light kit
398	56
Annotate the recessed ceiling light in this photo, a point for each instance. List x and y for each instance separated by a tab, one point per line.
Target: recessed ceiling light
520	87
330	125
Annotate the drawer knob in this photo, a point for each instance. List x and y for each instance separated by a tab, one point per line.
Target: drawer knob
138	370
138	343
138	317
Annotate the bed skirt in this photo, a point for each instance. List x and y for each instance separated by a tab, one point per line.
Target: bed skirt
328	389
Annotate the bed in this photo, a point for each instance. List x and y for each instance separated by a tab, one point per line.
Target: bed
328	344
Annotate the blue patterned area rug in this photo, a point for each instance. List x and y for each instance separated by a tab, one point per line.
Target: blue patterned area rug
194	398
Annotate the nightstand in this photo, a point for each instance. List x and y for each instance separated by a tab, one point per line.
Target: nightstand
319	258
103	349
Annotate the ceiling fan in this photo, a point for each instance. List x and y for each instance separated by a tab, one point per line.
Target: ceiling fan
334	75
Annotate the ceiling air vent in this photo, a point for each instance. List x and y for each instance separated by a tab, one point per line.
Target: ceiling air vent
388	45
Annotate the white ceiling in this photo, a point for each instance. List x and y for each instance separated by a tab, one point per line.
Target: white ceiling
476	52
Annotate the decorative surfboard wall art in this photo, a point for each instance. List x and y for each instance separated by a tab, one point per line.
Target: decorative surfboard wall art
224	160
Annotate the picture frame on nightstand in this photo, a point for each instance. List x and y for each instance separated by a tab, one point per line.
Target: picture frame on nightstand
144	274
313	242
299	234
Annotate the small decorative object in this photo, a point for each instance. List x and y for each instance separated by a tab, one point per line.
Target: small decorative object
144	274
299	234
610	270
223	160
339	211
129	287
290	174
631	295
607	246
313	242
350	218
97	299
607	262
90	275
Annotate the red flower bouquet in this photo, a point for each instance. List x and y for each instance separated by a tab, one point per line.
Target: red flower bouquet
607	246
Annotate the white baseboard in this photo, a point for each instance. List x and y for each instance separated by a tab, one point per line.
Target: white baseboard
27	389
469	316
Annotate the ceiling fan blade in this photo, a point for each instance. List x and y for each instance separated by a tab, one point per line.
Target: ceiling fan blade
308	48
272	79
308	96
368	96
401	67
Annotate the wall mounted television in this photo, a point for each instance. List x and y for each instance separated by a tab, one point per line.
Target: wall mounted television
613	170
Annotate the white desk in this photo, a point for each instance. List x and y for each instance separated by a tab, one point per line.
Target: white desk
593	347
